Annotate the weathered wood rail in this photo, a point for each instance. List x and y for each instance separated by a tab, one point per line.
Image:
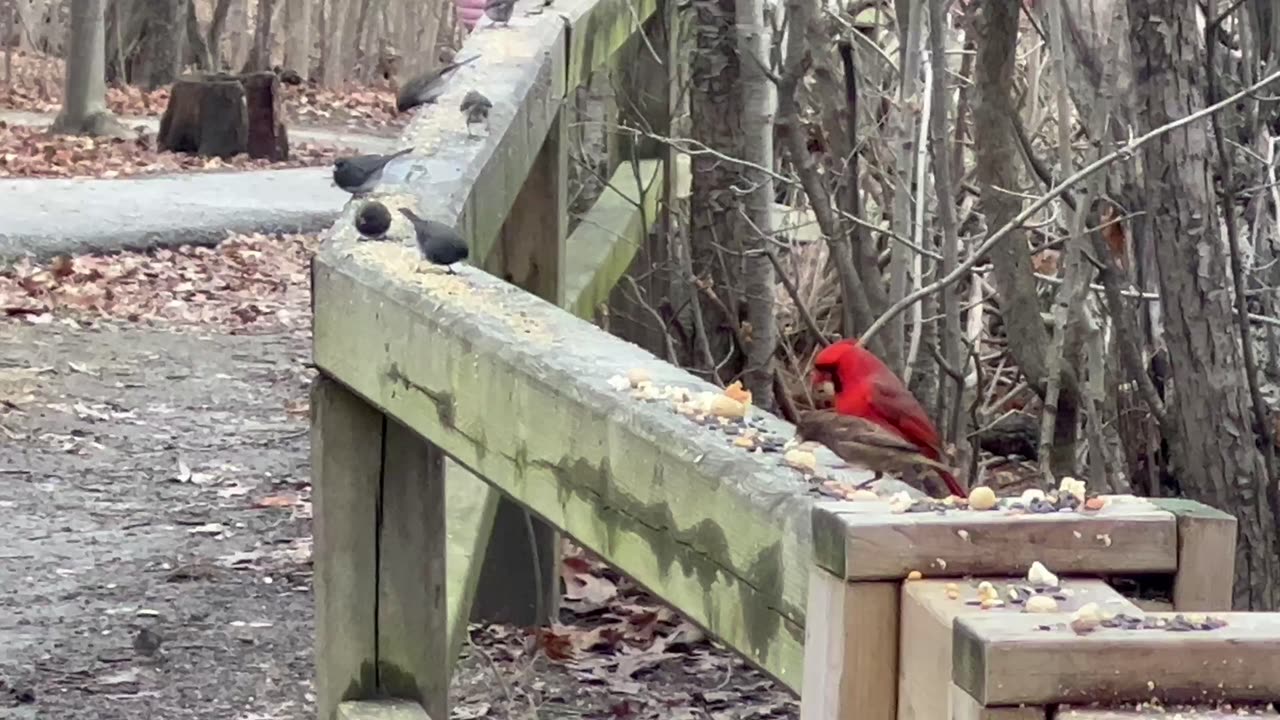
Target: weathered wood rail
461	421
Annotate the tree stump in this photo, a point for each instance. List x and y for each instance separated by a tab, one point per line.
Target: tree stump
267	135
206	116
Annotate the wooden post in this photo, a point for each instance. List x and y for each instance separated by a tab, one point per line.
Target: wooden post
378	495
850	650
413	647
647	72
532	250
1206	556
346	464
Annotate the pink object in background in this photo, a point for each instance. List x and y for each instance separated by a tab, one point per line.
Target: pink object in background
469	12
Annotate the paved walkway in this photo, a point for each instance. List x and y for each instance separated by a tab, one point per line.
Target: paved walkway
45	217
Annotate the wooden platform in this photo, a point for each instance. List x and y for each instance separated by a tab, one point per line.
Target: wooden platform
1038	660
1127	536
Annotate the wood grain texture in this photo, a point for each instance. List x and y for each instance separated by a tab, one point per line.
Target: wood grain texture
346	463
964	707
518	391
851	650
1206	556
1175	712
413	647
878	544
1007	660
928	614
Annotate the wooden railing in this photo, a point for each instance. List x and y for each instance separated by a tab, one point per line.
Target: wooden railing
442	397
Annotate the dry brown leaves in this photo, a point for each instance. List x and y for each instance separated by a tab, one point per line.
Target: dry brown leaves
37	87
249	283
33	152
623	640
352	107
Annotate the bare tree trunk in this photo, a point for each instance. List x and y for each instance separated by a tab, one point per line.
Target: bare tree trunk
162	51
716	222
1210	429
910	13
260	54
758	104
218	23
238	27
297	51
997	162
84	108
198	50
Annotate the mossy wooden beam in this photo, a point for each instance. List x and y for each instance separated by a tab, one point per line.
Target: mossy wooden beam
517	391
868	541
472	182
610	234
1038	659
597	30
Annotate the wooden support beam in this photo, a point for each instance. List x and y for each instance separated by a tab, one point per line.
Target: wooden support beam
611	233
381	710
597	29
413	647
929	609
851	650
1206	556
964	707
1011	660
520	579
346	464
519	392
1123	537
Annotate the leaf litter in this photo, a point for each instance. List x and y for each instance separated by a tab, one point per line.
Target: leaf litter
616	651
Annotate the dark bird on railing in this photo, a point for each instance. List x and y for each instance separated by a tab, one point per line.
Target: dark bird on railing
359	174
373	219
476	107
438	243
499	11
429	86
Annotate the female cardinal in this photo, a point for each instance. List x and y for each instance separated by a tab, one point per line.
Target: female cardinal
867	389
865	443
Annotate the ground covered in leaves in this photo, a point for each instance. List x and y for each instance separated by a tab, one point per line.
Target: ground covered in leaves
154	484
37	87
35	152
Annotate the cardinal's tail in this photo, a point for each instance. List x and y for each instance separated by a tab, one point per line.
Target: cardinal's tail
952	484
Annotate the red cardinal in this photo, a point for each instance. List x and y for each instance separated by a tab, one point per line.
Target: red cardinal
868	389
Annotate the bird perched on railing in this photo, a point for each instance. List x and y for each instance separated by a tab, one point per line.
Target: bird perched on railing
499	11
426	88
863	442
476	107
359	174
438	243
866	388
373	219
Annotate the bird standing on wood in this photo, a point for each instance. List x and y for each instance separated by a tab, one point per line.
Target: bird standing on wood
863	442
438	243
499	11
359	174
373	219
426	88
476	107
866	388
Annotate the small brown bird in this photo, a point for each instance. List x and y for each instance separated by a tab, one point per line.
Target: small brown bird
426	88
861	442
476	107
